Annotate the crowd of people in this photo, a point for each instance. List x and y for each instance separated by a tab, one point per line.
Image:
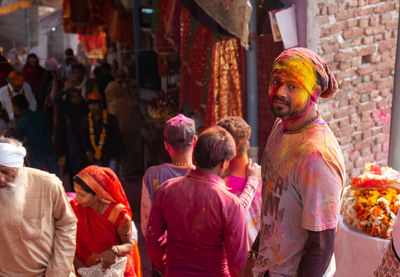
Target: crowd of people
67	116
211	211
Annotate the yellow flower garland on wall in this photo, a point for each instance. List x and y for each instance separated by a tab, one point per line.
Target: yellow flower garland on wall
97	148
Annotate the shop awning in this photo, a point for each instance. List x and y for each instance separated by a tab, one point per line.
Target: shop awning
233	16
9	6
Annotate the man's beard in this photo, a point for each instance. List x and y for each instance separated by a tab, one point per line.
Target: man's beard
12	198
288	112
282	112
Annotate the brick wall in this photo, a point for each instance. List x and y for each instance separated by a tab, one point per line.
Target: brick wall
358	40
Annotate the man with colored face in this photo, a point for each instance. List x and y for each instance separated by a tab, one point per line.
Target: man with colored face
303	173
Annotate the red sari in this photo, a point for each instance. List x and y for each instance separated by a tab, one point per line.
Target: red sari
98	232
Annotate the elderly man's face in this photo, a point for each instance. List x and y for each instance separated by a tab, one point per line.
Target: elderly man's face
7	175
287	96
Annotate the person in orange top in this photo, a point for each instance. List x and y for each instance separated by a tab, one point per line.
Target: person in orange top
104	230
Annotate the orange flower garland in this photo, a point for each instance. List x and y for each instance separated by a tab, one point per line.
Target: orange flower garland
97	148
373	211
372	201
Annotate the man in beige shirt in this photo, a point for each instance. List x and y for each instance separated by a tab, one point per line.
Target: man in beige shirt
37	224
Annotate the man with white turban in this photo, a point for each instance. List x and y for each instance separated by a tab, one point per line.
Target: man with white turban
37	224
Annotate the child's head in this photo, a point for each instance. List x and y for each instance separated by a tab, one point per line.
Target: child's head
214	146
180	132
239	129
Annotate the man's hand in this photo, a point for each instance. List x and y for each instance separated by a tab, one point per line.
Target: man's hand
247	270
253	169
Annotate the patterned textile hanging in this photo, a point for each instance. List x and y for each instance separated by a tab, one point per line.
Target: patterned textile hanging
196	57
224	93
78	16
210	66
95	45
166	28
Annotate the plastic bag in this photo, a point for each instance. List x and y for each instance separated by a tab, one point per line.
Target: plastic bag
116	270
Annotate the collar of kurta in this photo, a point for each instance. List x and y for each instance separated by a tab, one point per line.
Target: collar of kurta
205	176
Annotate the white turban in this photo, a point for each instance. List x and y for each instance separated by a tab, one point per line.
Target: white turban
11	155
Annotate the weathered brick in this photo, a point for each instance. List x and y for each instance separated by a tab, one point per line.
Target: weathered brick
357	135
384	7
355	99
374	20
362	107
344	112
384	84
366	50
375	76
363	144
391	25
356	62
356	42
363	22
332	9
344	74
329	48
365	97
385	18
346	131
343	65
380	138
367	134
374	30
354	155
343	123
355	32
323	19
376	148
366	116
344	15
385	93
381	156
378	38
366	152
364	11
385	73
351	23
366	69
387	35
366	88
367	40
374	94
387	44
341	56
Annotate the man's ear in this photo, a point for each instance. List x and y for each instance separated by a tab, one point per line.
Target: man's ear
194	141
166	145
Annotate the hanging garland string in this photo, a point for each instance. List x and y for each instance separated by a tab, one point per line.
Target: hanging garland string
99	147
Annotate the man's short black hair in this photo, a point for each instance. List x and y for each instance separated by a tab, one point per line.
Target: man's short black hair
20	102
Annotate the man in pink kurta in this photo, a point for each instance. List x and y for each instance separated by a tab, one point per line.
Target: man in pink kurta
205	222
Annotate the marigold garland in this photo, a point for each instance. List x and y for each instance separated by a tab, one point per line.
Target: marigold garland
372	201
371	210
97	148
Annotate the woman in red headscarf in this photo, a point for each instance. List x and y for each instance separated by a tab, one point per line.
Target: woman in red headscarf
104	221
